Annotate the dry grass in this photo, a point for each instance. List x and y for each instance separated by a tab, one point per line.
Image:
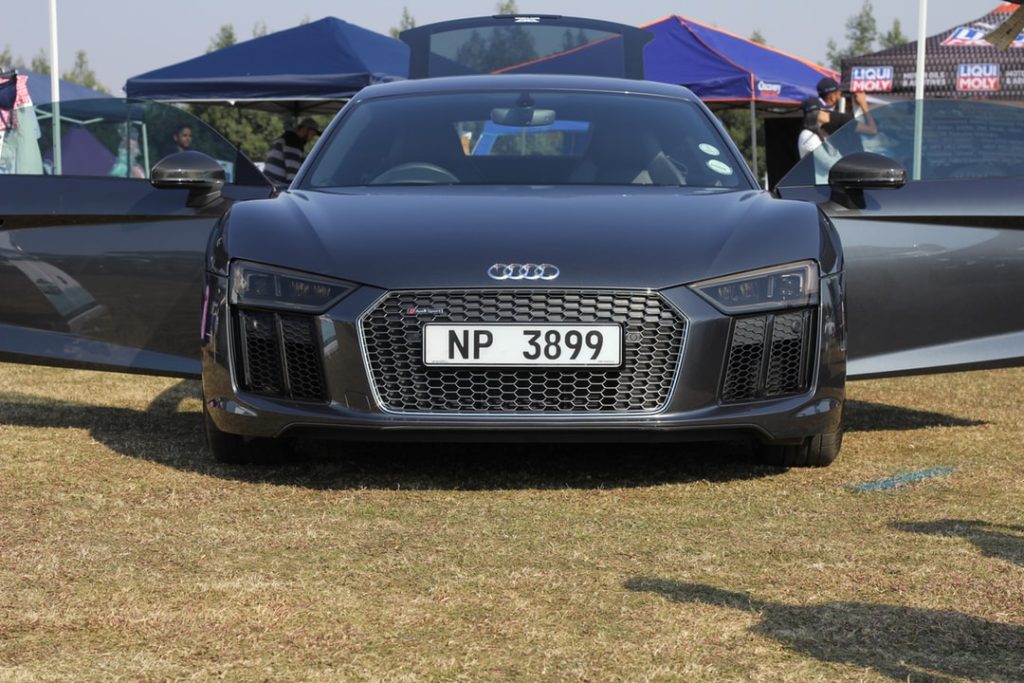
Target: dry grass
125	553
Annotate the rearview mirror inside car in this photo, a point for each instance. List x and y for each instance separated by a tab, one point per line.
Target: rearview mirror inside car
522	116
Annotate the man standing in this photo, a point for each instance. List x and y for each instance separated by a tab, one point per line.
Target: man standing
287	152
829	95
181	141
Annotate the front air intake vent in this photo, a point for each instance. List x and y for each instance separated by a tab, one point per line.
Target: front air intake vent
279	355
769	356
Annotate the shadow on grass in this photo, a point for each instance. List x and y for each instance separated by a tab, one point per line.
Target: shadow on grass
1002	541
163	435
903	643
862	416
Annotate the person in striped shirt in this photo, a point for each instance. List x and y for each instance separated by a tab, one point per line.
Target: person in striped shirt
287	152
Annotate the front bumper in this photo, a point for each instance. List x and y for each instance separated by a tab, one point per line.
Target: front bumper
693	410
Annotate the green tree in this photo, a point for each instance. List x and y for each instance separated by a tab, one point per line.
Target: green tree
894	36
861	32
40	63
83	74
225	38
571	40
505	45
7	59
406	22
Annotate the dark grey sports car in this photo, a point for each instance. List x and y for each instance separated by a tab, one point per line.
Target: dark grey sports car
514	256
520	256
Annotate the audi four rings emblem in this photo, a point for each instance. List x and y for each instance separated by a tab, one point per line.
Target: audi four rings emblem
523	271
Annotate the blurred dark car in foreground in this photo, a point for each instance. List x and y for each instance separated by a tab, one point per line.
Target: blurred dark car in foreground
514	256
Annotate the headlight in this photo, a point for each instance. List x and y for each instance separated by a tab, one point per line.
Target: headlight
789	286
253	284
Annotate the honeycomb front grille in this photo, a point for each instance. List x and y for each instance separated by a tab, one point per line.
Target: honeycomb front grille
652	338
769	356
280	355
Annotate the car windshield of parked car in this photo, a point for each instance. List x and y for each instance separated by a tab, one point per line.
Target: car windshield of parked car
110	137
961	139
512	137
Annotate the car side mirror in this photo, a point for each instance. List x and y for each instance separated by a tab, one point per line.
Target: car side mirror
194	171
856	172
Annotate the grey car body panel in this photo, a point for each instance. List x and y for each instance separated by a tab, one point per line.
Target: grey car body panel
104	273
933	273
627	238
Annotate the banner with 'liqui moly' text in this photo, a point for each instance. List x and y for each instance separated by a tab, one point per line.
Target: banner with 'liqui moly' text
960	63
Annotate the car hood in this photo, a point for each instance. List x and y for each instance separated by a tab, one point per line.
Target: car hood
441	237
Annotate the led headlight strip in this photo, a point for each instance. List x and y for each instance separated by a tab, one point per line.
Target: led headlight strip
792	285
258	285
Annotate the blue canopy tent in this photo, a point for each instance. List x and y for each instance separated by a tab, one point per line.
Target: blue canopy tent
720	67
727	70
303	69
39	89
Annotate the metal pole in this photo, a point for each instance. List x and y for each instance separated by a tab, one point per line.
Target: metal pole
753	137
55	88
922	35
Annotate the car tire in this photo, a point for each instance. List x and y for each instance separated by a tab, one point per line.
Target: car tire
819	450
232	449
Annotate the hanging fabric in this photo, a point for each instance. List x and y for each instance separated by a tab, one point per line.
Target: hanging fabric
19	152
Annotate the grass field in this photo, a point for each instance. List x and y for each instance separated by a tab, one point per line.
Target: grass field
126	554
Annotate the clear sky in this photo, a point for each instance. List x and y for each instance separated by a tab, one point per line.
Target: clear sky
123	38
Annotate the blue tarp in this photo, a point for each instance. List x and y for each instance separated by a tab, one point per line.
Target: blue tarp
329	59
39	89
720	67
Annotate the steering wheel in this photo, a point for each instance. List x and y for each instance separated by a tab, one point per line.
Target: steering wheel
415	173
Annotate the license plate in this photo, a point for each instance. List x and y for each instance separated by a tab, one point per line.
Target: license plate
522	345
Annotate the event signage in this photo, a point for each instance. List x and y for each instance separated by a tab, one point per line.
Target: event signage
766	89
959	63
977	78
870	79
970	36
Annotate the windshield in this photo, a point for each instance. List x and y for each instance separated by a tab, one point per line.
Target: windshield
960	139
526	138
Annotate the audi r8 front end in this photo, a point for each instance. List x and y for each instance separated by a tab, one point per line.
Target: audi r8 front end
525	257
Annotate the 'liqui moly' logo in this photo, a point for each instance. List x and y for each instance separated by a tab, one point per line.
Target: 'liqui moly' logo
977	78
871	79
766	89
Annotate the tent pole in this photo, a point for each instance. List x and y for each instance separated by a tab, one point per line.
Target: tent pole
55	89
753	139
922	22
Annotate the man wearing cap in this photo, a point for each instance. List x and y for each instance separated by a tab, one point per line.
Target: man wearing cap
287	152
812	134
829	95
